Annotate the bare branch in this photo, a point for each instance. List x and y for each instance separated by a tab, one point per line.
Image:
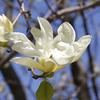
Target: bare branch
77	8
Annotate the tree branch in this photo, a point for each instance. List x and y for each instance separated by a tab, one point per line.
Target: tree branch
76	9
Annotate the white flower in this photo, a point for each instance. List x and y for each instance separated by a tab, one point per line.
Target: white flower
51	54
5	27
67	49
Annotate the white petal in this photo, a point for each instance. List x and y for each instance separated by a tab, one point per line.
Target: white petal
43	37
85	40
61	57
46	28
56	40
28	62
2	39
2	30
65	47
36	33
17	37
25	48
80	46
6	23
66	32
62	46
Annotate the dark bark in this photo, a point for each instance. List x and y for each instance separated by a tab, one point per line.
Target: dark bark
80	81
13	82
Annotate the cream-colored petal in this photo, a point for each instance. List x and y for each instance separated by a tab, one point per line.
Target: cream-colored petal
46	28
36	33
80	46
5	27
43	37
2	30
65	48
85	40
47	64
62	46
6	23
66	33
28	62
62	57
26	49
18	37
2	39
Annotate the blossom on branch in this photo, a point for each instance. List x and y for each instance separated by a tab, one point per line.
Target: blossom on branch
50	54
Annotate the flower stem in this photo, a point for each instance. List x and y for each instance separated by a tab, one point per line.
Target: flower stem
44	75
38	76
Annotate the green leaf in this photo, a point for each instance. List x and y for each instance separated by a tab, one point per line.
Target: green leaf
45	91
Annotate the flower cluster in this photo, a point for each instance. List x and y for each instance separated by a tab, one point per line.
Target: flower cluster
49	53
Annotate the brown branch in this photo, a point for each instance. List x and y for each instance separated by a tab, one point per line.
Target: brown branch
5	60
76	9
50	8
24	12
79	8
80	81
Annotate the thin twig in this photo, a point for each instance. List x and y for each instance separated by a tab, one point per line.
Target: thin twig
24	12
77	8
16	18
50	8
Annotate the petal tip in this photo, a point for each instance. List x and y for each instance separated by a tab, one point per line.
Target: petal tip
89	37
40	18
